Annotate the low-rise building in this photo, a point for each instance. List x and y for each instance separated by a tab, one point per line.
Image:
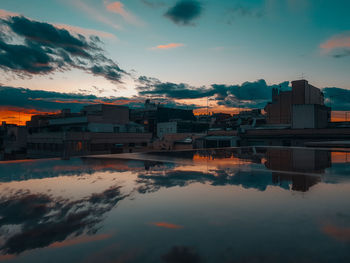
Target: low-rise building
97	129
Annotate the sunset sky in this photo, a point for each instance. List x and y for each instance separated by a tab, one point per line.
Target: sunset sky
181	52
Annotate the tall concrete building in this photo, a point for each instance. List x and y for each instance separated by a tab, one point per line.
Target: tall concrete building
301	107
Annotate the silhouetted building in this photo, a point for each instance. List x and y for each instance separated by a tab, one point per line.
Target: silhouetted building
286	106
13	141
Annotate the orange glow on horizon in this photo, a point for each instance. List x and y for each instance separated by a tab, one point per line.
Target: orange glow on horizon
213	107
340	116
17	115
340	157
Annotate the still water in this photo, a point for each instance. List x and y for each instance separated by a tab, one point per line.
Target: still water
224	205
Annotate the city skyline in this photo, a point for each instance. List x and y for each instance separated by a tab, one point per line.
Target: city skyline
180	52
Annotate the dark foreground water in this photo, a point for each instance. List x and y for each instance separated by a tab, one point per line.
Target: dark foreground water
227	205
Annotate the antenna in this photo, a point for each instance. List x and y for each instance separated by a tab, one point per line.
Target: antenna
303	76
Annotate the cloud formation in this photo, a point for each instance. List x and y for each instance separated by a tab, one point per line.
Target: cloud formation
184	12
54	101
169	46
337	98
118	8
85	31
338	46
5	13
93	12
46	221
33	102
249	94
30	47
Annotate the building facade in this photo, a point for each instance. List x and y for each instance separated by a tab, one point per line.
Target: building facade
97	129
286	104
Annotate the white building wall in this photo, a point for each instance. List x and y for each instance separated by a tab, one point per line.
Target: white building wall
166	128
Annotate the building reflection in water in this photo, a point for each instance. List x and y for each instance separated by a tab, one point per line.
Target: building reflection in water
50	219
300	167
299	161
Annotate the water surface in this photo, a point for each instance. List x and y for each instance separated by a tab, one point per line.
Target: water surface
224	205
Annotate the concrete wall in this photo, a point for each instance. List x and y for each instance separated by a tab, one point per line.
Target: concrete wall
280	111
166	128
310	116
304	93
107	114
304	116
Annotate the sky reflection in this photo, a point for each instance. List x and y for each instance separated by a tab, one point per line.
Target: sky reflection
202	206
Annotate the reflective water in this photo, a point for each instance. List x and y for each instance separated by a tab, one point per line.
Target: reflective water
232	205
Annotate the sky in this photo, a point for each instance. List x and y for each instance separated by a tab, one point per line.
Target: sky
182	51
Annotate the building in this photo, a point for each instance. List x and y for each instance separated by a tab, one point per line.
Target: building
310	116
92	118
152	114
286	107
180	126
97	129
13	141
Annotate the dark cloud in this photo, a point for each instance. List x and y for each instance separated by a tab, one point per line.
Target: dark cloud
254	94
53	101
42	100
30	47
337	98
184	12
31	59
156	88
249	94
